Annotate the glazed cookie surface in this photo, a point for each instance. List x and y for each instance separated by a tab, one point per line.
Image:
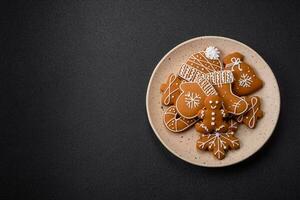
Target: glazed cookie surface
218	143
174	122
254	112
212	116
246	80
170	90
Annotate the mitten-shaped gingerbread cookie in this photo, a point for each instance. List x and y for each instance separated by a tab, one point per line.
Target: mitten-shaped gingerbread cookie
191	99
212	115
253	114
246	80
170	90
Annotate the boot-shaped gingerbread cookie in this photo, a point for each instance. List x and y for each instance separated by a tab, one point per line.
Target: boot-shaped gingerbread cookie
212	116
246	80
222	81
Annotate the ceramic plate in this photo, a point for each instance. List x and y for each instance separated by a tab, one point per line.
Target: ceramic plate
183	145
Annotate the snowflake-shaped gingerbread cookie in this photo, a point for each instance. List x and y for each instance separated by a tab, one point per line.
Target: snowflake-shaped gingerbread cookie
218	143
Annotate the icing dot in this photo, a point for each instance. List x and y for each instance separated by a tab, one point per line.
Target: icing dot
212	123
213	119
213	113
172	97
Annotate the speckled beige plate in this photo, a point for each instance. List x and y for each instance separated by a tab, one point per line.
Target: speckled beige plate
183	144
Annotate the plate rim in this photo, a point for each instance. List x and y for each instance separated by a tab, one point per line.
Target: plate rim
155	131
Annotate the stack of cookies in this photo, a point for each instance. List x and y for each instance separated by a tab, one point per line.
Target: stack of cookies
213	96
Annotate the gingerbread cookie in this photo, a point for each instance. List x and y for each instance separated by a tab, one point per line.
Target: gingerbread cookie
253	114
206	61
213	116
222	82
170	90
201	63
191	98
218	143
246	80
174	122
232	125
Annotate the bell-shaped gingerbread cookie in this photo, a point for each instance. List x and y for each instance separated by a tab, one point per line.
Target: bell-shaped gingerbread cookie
246	80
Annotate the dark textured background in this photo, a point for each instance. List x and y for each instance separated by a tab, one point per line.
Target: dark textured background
73	85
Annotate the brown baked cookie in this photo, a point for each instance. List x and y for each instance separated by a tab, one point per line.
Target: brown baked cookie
253	114
206	61
212	116
174	122
246	80
222	81
190	100
232	125
218	143
170	90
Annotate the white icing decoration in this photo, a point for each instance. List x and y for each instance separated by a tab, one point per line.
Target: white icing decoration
203	126
212	53
235	62
219	141
252	121
192	100
220	127
245	80
172	124
220	77
202	114
168	90
191	74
